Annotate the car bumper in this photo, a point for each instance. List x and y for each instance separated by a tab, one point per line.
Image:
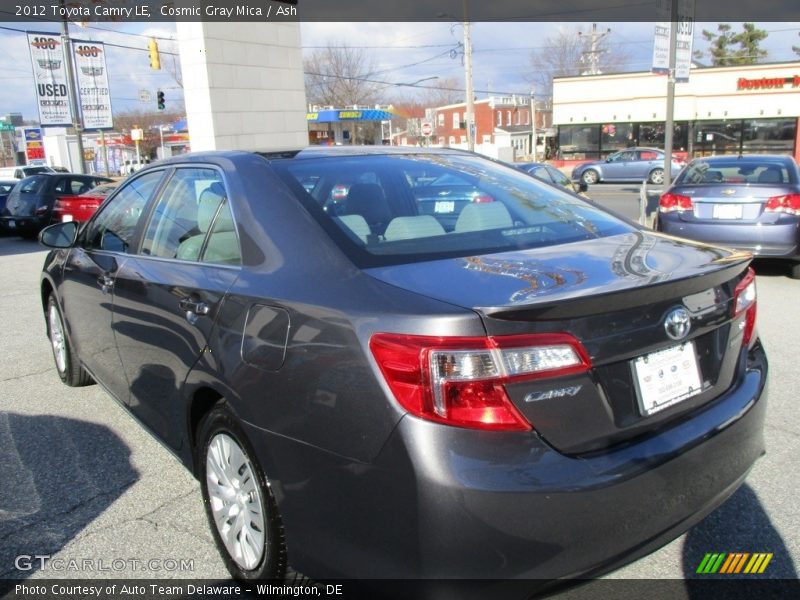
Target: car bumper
24	224
445	502
779	240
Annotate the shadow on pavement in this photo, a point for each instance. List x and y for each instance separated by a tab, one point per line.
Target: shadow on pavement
10	244
57	475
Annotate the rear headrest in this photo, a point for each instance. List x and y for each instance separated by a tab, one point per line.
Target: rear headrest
207	206
770	176
479	217
368	200
406	228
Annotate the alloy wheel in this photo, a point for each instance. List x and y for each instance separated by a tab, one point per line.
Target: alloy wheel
57	338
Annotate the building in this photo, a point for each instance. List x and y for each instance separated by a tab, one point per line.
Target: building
500	123
746	108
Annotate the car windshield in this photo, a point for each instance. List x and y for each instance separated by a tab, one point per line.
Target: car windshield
736	171
407	208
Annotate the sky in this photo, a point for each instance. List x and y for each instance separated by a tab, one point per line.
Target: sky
403	53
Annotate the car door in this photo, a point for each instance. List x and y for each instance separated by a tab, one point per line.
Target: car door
167	296
617	166
88	280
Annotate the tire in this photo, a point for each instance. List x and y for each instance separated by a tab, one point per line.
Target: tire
67	364
239	504
794	271
590	177
656	176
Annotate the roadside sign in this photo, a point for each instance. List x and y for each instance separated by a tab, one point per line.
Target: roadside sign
427	128
6	127
144	96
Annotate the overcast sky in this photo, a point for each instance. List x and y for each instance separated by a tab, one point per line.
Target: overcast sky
403	53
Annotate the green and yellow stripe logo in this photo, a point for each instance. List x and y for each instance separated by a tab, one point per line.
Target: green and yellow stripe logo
730	563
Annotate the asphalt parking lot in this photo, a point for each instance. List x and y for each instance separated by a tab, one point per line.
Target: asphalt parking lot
80	480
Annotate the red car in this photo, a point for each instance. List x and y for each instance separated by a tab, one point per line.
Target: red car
82	207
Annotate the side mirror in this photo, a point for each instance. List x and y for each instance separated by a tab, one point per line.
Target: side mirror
60	235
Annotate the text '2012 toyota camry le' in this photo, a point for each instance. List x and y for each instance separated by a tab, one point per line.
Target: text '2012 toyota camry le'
386	363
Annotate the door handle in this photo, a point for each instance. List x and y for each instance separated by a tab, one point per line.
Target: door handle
193	309
105	282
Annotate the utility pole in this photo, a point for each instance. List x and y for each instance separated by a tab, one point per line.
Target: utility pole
470	116
533	126
592	56
74	99
668	125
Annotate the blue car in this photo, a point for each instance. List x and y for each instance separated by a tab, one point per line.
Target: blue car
629	165
746	202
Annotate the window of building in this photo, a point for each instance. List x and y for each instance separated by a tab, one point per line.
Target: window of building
527	118
452	140
456	120
463	139
499	118
616	136
440	119
519	118
487	139
508	117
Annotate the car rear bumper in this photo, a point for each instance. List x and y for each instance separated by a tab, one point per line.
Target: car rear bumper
23	224
780	240
445	502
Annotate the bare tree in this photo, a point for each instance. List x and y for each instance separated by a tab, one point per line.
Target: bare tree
340	75
566	53
148	121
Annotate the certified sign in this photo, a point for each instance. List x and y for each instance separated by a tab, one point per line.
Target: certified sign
90	65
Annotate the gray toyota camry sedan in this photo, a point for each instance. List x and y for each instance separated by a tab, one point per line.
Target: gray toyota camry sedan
374	374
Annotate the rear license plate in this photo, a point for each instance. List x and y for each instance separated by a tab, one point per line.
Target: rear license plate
666	377
11	224
727	211
444	206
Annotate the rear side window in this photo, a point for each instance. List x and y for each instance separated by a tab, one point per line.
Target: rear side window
114	226
72	186
192	220
429	206
32	185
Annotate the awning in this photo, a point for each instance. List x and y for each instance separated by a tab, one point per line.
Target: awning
335	115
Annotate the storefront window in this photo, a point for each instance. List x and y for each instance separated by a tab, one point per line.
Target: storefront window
579	141
769	135
717	137
616	136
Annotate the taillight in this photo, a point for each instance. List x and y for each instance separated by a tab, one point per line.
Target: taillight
674	202
789	204
482	198
461	380
744	301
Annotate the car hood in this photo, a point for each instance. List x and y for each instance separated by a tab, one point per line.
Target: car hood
556	278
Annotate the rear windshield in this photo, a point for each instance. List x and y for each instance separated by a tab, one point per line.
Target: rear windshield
391	209
33	184
737	171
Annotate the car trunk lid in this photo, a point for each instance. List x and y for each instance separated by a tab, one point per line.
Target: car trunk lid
615	295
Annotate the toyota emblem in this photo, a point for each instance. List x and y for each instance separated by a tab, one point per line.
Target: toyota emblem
678	323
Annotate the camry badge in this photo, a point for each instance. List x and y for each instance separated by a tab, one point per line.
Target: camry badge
728	192
678	323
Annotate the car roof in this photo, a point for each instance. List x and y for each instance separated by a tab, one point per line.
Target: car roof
308	153
751	157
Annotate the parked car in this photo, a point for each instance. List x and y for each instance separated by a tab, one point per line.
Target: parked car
546	391
22	171
631	165
547	173
81	207
30	204
6	185
749	202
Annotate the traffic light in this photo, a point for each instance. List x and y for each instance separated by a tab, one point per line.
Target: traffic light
155	59
160	100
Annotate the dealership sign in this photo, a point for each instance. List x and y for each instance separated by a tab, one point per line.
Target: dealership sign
50	77
90	66
685	28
